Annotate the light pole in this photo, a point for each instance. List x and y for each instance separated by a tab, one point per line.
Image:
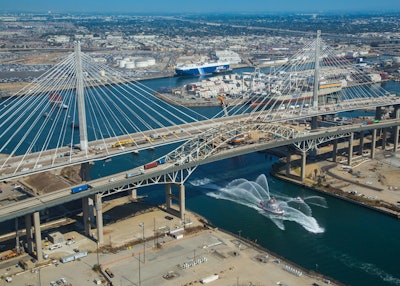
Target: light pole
140	279
144	244
240	238
40	281
98	260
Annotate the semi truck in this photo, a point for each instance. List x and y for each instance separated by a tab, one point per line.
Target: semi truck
81	188
154	164
134	173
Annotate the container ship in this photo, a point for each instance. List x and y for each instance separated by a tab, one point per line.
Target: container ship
201	68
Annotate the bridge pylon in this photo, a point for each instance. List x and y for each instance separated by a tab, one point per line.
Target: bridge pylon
80	93
316	70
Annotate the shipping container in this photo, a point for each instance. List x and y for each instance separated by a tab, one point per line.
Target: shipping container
73	257
150	165
161	161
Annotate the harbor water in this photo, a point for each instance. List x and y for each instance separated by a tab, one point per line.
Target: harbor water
352	244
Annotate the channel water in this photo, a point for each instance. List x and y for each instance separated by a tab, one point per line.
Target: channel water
350	243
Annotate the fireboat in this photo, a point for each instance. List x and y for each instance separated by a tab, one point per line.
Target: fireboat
271	206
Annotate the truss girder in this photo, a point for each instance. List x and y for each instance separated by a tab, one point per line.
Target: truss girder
309	144
209	142
178	176
184	160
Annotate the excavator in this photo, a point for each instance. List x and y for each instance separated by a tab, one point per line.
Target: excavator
223	104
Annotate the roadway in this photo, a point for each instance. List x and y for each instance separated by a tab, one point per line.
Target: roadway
32	163
159	174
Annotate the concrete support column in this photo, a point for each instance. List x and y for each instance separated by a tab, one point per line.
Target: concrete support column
86	216
17	248
133	194
384	138
378	113
38	237
334	150
168	196
314	122
396	115
395	138
373	144
85	171
351	143
182	207
361	147
99	217
396	112
29	236
303	165
288	161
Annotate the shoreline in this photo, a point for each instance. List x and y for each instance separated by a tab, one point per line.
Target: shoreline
380	205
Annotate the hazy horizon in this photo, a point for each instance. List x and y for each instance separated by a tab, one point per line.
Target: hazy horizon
201	7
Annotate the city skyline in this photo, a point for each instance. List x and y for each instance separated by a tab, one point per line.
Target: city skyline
205	6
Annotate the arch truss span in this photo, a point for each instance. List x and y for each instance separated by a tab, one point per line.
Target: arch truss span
223	137
312	143
171	174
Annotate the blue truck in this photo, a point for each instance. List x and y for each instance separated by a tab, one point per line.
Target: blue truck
80	189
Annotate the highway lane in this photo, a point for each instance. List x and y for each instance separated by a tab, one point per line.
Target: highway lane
17	166
119	181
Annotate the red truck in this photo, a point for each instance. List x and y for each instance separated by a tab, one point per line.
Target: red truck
151	165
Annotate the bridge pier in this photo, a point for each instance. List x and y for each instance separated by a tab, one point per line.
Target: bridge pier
38	236
99	217
378	113
314	122
384	138
395	138
169	196
86	216
351	144
361	146
373	144
288	161
395	131
334	150
29	237
85	171
303	165
133	194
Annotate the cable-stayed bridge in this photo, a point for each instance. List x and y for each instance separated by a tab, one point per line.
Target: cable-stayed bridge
82	111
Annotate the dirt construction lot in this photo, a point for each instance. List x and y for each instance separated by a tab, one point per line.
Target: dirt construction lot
201	253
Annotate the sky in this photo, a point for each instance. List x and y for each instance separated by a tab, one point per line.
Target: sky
199	6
